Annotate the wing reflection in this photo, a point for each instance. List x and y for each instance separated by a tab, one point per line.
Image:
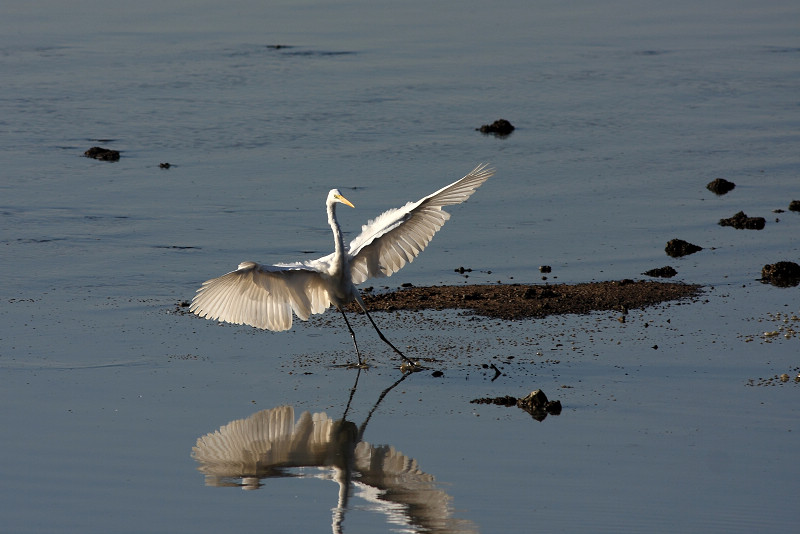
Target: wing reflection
271	443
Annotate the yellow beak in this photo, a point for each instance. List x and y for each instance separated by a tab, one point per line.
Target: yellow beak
343	200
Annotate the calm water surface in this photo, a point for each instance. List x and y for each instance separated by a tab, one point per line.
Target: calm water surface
624	111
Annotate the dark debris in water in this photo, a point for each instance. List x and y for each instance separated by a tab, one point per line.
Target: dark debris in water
781	274
720	186
777	380
677	248
740	221
508	400
661	272
103	154
516	301
536	404
182	308
499	128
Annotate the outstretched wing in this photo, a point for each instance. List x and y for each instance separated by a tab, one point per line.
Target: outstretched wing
397	236
263	296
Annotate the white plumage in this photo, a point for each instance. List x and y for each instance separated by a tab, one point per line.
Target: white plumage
265	296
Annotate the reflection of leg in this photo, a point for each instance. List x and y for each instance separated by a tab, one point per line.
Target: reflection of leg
363	426
352	334
352	392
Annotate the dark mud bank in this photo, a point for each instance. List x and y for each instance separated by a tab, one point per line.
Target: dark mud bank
521	301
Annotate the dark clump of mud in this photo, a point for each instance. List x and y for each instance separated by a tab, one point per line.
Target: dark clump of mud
103	154
781	274
508	400
661	272
521	301
678	247
740	221
500	128
535	404
720	186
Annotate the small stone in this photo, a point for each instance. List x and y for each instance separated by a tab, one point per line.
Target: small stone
103	154
720	186
538	406
781	274
536	399
740	221
500	128
553	407
678	247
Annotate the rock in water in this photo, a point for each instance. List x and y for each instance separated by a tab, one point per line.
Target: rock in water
678	247
500	128
781	274
740	221
720	186
103	154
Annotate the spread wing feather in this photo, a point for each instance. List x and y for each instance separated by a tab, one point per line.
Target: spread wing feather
263	296
397	236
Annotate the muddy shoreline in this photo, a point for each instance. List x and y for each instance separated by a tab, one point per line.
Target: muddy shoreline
519	301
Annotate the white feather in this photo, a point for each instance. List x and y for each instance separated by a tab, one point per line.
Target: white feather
265	296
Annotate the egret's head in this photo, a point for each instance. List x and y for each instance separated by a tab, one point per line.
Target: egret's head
336	196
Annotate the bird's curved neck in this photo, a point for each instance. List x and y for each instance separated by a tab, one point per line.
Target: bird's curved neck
338	240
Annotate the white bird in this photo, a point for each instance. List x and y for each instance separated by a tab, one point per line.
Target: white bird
264	296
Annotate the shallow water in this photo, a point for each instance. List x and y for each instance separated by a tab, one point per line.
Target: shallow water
624	111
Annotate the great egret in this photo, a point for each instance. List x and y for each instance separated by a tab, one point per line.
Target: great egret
265	296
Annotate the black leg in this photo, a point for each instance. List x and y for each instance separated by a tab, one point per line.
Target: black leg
384	337
353	335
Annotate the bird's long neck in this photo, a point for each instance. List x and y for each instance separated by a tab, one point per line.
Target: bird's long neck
338	240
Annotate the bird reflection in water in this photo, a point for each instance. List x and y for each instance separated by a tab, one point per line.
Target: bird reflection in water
271	444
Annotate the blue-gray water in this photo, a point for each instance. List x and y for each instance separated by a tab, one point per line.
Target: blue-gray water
624	111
